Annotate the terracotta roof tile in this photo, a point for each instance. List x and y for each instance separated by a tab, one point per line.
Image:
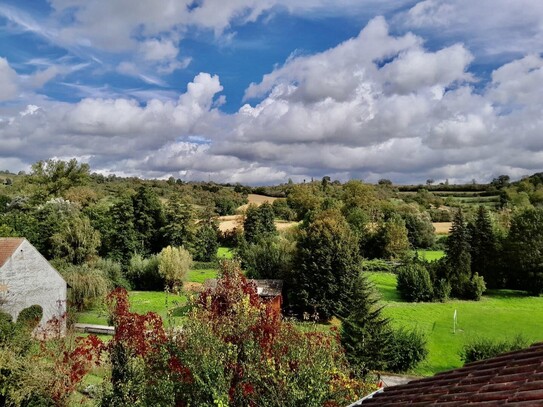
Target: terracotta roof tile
514	377
7	247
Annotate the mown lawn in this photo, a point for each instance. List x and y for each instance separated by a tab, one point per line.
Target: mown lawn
501	314
431	255
199	276
155	301
140	302
225	253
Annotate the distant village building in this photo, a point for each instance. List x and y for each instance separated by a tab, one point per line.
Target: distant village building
270	291
27	278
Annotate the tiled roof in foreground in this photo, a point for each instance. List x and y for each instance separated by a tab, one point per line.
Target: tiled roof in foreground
514	378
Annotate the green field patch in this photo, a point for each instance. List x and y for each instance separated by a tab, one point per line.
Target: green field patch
430	255
199	276
225	253
386	284
155	301
164	304
500	315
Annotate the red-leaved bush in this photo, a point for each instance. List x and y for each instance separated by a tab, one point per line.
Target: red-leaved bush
232	350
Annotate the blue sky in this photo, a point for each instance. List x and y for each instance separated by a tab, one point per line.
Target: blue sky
259	91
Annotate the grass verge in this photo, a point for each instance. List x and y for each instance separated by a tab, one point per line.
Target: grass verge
501	314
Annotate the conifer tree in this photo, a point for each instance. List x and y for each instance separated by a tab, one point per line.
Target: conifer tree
365	333
457	268
483	248
148	220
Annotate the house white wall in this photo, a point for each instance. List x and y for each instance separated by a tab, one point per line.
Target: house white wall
31	280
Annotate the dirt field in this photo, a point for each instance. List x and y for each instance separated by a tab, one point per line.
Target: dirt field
442	228
227	223
230	222
256	200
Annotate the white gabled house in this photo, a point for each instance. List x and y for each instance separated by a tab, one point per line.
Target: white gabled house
27	278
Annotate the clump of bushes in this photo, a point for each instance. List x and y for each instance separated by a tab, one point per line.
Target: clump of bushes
414	283
484	348
30	317
378	266
143	273
407	350
87	285
424	281
474	288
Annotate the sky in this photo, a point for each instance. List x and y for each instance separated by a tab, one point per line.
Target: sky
263	91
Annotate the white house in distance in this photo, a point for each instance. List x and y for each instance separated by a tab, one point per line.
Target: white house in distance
27	278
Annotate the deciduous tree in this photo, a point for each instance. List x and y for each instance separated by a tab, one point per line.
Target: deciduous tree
174	264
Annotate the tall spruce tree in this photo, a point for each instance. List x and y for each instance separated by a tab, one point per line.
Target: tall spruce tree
365	333
122	237
483	248
457	270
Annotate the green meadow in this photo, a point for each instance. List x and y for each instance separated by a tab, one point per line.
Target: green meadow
430	255
501	314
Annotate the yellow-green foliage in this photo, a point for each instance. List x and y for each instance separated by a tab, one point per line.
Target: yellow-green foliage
174	264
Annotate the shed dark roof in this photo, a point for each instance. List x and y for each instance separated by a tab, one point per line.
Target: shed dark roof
514	378
8	245
264	288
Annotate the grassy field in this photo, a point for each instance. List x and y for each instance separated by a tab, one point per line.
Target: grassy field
156	301
501	314
431	255
140	302
225	253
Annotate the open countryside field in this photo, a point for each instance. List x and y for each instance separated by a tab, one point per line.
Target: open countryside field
231	222
501	314
442	228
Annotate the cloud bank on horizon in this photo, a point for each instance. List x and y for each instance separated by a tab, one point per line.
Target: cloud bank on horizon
260	91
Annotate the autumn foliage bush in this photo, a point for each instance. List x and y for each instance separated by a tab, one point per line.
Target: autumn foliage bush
234	350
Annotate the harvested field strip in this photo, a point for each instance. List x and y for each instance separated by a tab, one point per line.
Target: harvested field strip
442	228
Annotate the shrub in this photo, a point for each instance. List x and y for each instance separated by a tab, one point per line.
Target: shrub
407	350
204	265
414	283
113	271
378	266
7	327
30	317
87	285
484	348
173	265
442	290
473	288
143	273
